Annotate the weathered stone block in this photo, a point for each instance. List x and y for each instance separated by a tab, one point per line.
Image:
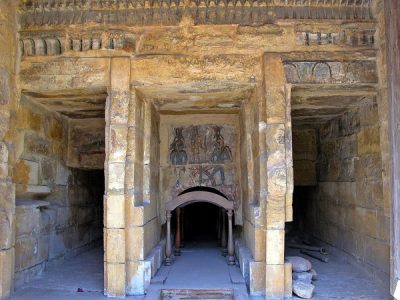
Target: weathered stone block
6	271
4	122
7	196
115	177
27	119
114	211
138	275
3	152
55	129
115	245
275	247
35	145
377	253
118	144
26	172
6	230
57	245
47	171
288	280
27	220
135	247
62	174
275	281
114	279
260	244
257	278
368	140
26	252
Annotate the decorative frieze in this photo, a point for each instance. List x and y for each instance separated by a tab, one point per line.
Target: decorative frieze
168	12
57	43
364	38
348	72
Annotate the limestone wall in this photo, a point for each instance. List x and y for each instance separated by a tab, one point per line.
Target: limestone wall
8	71
59	209
86	143
349	204
304	156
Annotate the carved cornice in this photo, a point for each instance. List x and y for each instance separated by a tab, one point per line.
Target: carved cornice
170	12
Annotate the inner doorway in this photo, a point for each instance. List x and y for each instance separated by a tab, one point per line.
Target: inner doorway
200	224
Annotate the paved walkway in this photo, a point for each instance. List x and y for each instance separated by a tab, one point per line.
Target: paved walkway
200	266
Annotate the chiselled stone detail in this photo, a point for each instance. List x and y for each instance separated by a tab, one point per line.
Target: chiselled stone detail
331	72
167	12
57	42
363	38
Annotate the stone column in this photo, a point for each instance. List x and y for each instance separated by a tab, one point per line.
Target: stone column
117	107
231	251
182	227
392	18
168	247
223	233
178	232
277	172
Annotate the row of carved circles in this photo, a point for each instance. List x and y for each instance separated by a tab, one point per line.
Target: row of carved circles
56	46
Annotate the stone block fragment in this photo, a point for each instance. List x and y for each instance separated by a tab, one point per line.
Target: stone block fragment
313	274
305	277
303	290
299	264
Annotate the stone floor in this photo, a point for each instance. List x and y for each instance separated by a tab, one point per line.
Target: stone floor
200	266
339	279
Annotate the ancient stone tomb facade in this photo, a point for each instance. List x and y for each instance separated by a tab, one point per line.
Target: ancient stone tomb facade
176	99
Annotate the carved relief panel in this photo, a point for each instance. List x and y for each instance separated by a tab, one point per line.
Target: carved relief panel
200	155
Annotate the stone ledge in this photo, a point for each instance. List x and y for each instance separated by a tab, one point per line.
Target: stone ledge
28	191
26	204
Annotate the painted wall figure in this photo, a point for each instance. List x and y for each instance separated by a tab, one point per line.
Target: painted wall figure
221	152
178	155
196	144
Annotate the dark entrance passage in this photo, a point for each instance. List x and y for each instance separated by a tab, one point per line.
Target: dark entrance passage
201	222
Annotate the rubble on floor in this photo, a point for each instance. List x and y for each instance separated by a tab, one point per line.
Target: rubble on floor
303	276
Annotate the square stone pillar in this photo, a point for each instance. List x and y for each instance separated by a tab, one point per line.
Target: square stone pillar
117	108
276	172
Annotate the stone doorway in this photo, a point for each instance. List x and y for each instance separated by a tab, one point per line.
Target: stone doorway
59	200
206	212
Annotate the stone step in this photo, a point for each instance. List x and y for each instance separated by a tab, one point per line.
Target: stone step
204	294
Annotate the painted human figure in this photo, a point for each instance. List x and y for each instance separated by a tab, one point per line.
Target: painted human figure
221	152
196	144
178	155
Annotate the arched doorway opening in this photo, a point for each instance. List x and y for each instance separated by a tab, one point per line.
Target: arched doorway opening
202	213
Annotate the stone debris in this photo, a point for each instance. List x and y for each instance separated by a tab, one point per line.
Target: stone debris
305	277
314	274
299	264
303	290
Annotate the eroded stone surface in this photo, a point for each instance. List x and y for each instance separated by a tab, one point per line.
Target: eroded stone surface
302	289
299	264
